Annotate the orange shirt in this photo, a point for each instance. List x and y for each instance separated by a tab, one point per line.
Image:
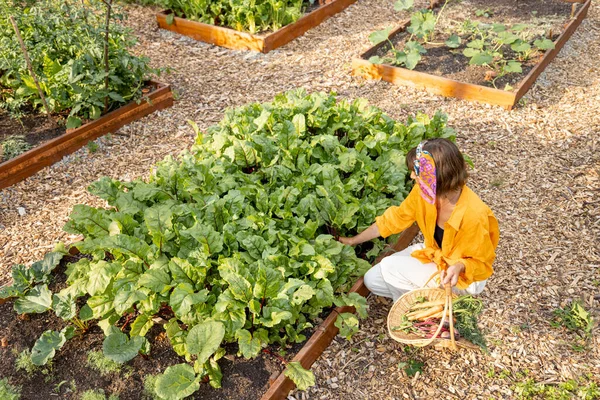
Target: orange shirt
470	235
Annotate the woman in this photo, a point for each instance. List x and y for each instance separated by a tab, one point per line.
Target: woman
461	232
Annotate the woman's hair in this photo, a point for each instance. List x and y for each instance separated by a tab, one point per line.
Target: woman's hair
451	169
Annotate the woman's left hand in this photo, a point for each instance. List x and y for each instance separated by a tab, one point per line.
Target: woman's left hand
451	274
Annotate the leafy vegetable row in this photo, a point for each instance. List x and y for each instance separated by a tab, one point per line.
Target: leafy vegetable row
65	42
234	240
249	16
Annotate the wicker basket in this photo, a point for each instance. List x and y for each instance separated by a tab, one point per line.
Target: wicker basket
402	307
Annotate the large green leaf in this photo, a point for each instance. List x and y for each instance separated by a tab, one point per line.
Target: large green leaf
302	377
46	346
64	306
178	382
119	348
38	300
184	297
204	339
380	36
249	347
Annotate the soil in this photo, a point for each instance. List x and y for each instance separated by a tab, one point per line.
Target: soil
36	128
544	17
242	379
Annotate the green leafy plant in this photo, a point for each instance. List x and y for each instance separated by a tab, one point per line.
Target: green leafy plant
255	16
97	394
92	146
234	241
583	389
65	42
575	318
487	13
105	366
8	391
411	367
24	363
491	45
488	44
13	146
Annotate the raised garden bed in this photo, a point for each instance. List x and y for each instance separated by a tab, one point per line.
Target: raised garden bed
232	39
47	153
242	379
438	66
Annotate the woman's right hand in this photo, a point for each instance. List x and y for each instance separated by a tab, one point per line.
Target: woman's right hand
346	240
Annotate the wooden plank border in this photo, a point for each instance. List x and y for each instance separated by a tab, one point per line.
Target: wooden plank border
232	39
23	166
325	332
462	90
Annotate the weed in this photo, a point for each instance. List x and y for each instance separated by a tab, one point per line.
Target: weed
487	13
149	384
529	389
24	363
58	386
575	318
497	182
13	146
411	367
97	361
92	147
8	391
97	394
504	374
491	373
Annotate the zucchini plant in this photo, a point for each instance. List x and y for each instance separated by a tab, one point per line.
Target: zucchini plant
500	47
234	240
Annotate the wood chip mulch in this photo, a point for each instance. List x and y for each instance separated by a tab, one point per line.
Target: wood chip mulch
538	167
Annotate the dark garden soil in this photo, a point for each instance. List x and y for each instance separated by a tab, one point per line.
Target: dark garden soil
35	128
242	379
543	16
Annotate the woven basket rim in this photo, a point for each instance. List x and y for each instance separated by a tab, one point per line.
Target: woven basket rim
400	308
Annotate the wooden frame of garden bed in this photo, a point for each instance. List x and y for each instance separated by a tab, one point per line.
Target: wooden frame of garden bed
23	166
462	90
232	39
325	332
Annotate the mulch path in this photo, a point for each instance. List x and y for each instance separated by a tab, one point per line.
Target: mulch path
538	167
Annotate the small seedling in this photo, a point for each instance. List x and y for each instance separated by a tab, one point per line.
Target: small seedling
92	147
97	361
411	367
97	394
575	318
497	182
24	363
8	391
149	384
13	146
487	13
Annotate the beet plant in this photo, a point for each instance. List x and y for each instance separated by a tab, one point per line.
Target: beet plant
234	240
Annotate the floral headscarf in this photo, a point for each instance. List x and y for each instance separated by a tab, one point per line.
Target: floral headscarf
426	175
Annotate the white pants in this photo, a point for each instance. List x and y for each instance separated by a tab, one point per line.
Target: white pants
400	273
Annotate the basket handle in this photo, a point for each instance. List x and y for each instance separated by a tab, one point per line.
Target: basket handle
448	288
447	311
